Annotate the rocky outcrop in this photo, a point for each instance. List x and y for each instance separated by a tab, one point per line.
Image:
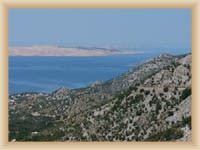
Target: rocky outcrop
60	94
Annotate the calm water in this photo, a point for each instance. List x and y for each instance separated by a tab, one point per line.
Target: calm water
45	74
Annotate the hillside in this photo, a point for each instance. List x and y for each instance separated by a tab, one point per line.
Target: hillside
149	103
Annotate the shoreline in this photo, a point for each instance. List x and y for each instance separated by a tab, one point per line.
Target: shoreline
71	89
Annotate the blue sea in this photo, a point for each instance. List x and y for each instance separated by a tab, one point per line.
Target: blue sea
46	74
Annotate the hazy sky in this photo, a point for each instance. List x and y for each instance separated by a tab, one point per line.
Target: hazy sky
168	28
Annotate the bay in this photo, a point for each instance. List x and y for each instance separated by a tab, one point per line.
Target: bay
46	74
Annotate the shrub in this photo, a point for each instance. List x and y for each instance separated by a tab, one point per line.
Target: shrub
141	90
119	96
186	92
139	112
137	99
166	89
93	137
133	88
187	120
126	93
150	103
158	107
176	64
161	94
167	135
170	113
174	92
147	92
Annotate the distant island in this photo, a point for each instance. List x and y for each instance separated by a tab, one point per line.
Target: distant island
65	51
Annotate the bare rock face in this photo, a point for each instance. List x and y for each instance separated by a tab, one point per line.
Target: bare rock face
61	93
152	102
183	110
186	60
187	137
98	82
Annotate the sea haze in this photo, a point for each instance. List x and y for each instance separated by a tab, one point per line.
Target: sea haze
46	74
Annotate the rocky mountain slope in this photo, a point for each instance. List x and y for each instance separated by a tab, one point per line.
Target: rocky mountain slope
151	102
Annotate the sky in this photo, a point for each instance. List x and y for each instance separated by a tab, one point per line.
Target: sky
131	28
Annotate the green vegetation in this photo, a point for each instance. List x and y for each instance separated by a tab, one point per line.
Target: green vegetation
20	129
115	110
137	99
147	92
170	113
167	135
187	121
141	90
94	137
158	107
186	92
51	137
176	64
139	112
166	89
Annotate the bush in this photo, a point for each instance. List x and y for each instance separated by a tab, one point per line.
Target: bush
137	99
133	88
161	94
150	103
147	92
158	107
174	92
141	90
126	93
119	96
170	113
167	135
175	64
93	137
139	112
166	89
187	120
187	92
